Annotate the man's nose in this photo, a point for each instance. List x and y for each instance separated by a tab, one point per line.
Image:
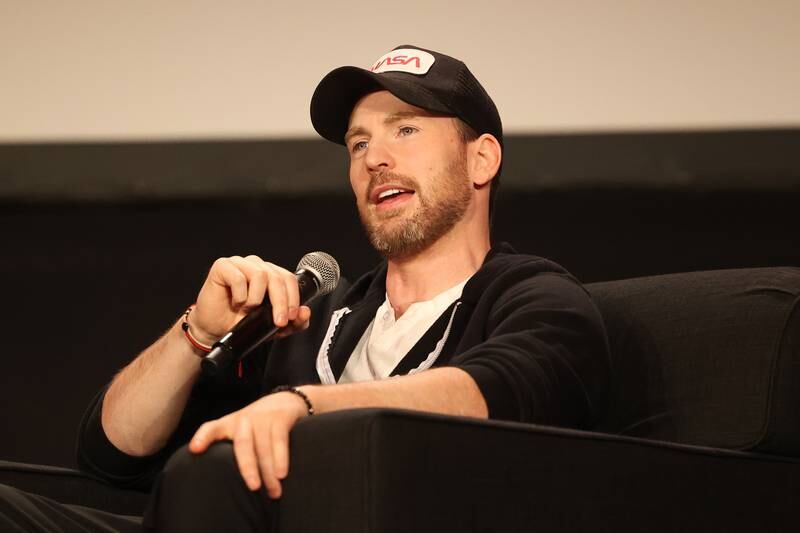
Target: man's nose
379	156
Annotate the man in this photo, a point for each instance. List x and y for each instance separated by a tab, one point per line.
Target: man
462	327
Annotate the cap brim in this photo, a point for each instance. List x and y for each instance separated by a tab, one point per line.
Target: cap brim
339	91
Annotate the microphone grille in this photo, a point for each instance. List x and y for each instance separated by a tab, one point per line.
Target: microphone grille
324	267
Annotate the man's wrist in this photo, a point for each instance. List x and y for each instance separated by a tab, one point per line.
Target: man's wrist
201	343
310	410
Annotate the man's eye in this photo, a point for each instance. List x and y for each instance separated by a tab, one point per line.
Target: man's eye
360	145
407	130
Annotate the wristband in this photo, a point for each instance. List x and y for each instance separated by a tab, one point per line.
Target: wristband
194	342
295	390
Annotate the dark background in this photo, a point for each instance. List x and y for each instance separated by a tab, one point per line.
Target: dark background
104	244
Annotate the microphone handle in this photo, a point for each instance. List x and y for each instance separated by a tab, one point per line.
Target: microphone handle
251	331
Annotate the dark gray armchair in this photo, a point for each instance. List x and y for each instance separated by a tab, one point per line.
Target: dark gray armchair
701	433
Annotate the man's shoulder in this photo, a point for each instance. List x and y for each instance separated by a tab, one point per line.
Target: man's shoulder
505	271
518	290
503	262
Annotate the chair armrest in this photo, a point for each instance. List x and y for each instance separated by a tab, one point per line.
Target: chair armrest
71	486
385	470
389	470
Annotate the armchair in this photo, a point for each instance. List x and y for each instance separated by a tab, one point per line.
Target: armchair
701	433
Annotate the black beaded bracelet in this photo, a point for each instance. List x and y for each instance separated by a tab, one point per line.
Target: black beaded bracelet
295	390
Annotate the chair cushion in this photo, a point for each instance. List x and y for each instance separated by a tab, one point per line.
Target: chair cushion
709	358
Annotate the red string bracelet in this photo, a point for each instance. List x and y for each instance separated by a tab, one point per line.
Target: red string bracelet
194	342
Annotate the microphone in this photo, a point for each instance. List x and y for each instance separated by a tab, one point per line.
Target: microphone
317	274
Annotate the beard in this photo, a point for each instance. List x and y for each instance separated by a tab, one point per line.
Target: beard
440	208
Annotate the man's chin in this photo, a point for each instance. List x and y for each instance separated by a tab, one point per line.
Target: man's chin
389	220
391	213
394	241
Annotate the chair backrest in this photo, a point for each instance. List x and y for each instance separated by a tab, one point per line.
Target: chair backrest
708	358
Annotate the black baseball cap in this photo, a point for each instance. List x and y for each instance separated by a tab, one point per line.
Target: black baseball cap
423	78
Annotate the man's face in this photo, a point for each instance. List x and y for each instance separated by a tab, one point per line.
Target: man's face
408	171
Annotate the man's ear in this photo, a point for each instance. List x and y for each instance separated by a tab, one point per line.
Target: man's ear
485	158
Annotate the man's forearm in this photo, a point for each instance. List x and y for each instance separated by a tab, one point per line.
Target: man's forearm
260	431
445	390
144	403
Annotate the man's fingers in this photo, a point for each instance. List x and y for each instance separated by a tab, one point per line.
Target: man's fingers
278	298
292	295
234	278
207	434
252	280
280	451
298	324
244	450
266	463
257	273
254	259
301	321
303	317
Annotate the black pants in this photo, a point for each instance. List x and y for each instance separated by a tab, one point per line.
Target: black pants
194	493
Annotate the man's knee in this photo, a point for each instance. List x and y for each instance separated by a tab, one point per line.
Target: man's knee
205	492
216	465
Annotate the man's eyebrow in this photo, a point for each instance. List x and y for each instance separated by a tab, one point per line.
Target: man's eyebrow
352	132
390	119
400	115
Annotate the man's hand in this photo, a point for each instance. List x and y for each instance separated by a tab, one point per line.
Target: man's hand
234	286
260	431
144	403
260	435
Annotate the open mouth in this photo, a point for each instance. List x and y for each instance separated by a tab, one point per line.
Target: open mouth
392	194
385	197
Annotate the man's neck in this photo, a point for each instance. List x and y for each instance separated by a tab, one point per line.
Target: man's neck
444	264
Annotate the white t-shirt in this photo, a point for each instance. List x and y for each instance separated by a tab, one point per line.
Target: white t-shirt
386	341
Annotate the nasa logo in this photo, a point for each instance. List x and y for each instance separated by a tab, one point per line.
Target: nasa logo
404	60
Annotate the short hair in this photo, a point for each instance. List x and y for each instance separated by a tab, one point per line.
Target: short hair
468	134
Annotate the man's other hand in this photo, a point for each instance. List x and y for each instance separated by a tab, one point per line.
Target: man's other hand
234	286
260	435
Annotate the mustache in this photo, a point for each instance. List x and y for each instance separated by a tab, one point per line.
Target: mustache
390	177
